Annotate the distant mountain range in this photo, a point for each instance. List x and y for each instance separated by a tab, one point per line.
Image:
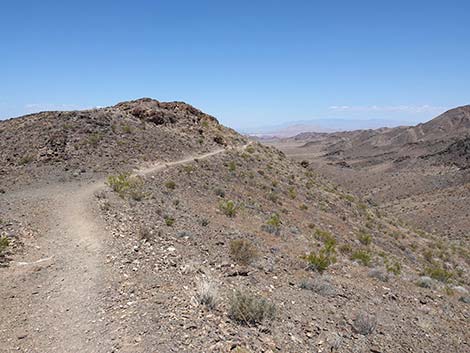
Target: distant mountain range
291	129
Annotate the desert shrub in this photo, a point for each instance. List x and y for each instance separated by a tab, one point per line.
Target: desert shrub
364	323
204	222
345	249
249	309
273	224
326	237
220	192
272	196
169	221
232	166
126	129
250	149
320	286
145	233
125	184
228	208
304	164
292	192
379	274
364	237
303	207
362	256
425	282
320	261
438	273
394	267
243	251
207	293
170	184
94	139
26	159
4	243
274	220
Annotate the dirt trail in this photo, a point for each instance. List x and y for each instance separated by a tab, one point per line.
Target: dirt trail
55	298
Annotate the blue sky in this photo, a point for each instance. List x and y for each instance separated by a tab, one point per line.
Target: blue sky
249	63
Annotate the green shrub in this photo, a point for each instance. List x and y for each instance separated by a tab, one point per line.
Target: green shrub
94	139
364	237
243	251
170	184
229	208
326	237
438	273
394	267
126	129
362	256
125	184
249	309
4	243
250	149
319	262
232	166
274	221
169	221
292	192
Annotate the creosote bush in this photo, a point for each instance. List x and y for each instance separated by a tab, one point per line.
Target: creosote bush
249	309
243	251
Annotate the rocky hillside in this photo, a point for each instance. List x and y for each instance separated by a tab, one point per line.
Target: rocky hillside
64	145
242	250
419	173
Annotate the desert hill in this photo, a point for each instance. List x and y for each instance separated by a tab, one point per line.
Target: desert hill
416	172
83	143
169	232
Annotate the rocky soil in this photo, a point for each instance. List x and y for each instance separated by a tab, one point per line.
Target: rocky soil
217	245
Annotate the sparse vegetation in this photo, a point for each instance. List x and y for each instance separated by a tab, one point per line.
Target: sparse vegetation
207	293
320	286
364	237
4	244
273	224
292	192
364	323
364	257
228	208
170	184
169	221
125	184
249	309
94	139
394	267
243	251
26	159
325	256
232	166
438	273
424	282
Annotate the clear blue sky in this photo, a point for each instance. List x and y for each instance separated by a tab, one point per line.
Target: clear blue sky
247	62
